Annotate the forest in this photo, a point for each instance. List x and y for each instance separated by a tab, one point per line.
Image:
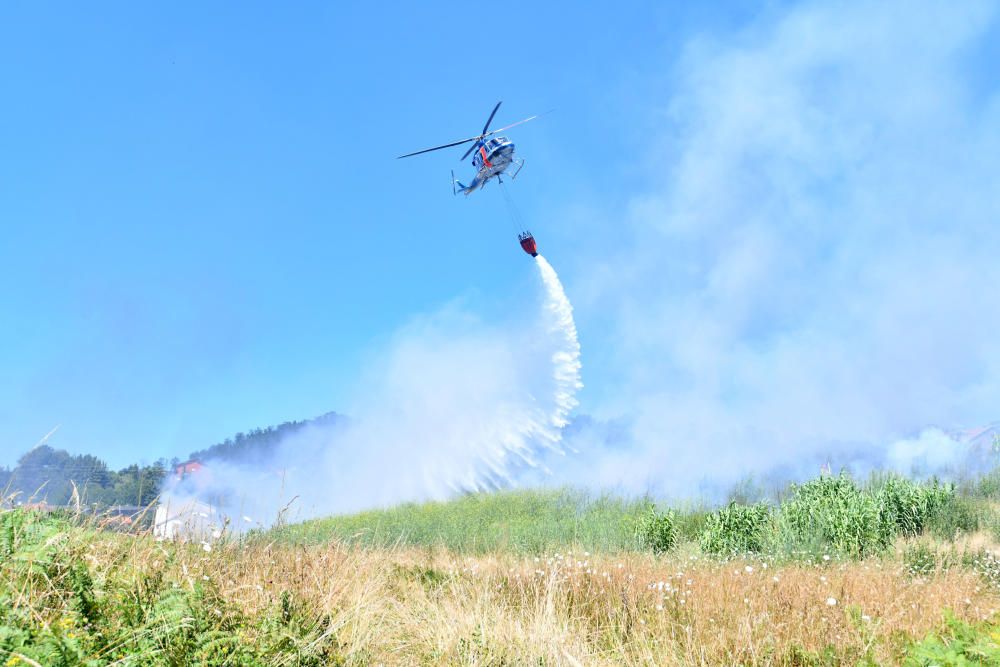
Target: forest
46	474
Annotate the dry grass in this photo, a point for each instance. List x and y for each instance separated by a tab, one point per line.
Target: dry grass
409	606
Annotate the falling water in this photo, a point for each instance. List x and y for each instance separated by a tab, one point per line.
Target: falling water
566	358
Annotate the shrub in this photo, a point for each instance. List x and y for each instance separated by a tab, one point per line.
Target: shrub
921	559
985	564
988	486
690	523
904	505
833	513
657	531
736	529
939	498
911	508
957	643
952	516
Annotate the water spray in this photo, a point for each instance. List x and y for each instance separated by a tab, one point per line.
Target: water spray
566	359
454	407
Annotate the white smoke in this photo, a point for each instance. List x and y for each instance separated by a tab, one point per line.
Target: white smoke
813	271
450	405
931	450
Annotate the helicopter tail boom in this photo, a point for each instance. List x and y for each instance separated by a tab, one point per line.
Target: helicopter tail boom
458	186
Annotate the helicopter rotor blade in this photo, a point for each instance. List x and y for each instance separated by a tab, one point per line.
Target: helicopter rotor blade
507	127
471	148
437	148
490	119
478	140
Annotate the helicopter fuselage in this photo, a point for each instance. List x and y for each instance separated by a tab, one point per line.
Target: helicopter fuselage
492	155
491	159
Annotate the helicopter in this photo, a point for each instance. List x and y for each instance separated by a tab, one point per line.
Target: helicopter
494	155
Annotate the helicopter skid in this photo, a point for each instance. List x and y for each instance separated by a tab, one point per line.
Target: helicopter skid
519	163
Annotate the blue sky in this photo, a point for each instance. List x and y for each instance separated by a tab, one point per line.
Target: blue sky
203	221
204	228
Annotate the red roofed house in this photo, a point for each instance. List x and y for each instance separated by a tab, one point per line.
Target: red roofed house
187	468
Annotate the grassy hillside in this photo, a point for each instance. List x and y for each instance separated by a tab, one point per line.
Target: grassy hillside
73	595
887	572
825	515
524	521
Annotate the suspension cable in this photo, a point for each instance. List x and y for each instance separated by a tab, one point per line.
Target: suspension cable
515	214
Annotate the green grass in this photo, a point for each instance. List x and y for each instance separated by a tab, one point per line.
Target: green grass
58	610
524	521
74	595
832	514
71	594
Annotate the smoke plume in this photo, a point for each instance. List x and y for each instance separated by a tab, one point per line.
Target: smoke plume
811	274
451	405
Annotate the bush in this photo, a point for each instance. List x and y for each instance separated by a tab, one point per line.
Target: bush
832	513
988	486
657	531
957	643
903	505
938	496
985	564
690	522
914	508
737	529
952	516
922	559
